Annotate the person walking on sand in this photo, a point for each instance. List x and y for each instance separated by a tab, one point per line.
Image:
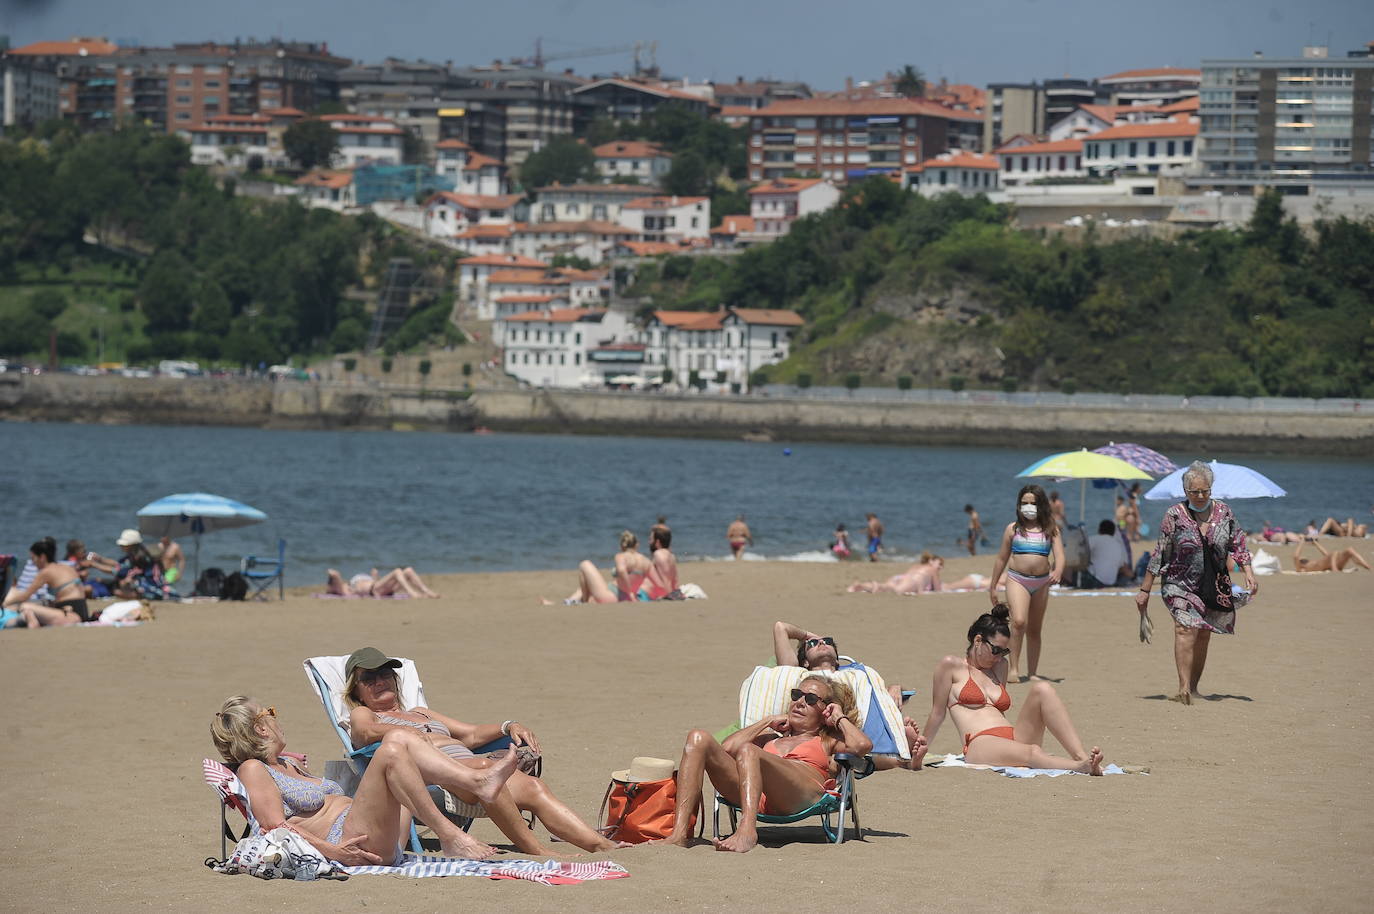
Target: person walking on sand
1028	543
875	536
739	536
975	529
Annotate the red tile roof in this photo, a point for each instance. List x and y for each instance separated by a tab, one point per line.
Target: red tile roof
556	316
662	202
1191	103
538	277
331	179
690	320
583	275
451	144
529	299
1154	73
873	107
502	260
734	225
959	159
771	317
487	231
1152	129
478	161
228	128
1066	146
371	131
76	47
476	201
631	149
238	119
589	226
283	112
784	186
651	248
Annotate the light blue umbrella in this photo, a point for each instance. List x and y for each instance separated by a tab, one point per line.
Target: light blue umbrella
1230	480
194	513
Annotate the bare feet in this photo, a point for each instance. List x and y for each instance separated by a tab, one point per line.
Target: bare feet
1183	698
1094	762
494	777
916	743
465	846
741	842
862	587
675	840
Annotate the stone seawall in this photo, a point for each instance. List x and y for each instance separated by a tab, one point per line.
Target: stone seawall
291	404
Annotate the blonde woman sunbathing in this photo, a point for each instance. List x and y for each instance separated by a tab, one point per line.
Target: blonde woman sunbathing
369	828
1328	561
398	580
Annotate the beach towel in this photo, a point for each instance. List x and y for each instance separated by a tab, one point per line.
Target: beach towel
767	689
957	761
358	596
545	872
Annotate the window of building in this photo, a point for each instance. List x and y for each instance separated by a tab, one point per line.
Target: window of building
1187	147
1130	149
183	115
1025	163
183	84
1169	148
212	84
183	99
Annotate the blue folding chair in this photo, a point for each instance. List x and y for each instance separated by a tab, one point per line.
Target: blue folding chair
260	572
838	802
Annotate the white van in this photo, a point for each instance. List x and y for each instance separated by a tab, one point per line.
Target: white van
173	368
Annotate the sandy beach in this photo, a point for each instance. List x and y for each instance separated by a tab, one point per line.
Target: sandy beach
1254	800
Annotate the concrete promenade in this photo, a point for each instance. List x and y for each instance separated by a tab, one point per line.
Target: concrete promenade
307	405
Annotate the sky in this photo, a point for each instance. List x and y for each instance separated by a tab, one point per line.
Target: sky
820	43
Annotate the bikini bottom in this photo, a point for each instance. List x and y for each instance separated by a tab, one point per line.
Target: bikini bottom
1032	582
999	732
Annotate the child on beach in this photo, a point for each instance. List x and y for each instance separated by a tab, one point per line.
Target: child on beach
841	545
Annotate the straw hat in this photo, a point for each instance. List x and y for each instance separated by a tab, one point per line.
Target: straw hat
645	768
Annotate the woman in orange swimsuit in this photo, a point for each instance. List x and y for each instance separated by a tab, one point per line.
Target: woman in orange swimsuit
973	690
779	765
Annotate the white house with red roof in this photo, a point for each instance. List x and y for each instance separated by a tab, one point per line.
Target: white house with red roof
621	159
474	272
668	218
734	231
753	338
592	240
364	138
471	171
720	347
964	173
1024	159
778	202
449	215
1163	147
569	347
582	202
231	139
327	189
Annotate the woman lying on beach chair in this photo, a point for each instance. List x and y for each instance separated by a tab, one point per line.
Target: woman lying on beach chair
369	828
965	687
780	765
397	580
374	693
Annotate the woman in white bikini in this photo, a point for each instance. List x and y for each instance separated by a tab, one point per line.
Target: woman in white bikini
1027	546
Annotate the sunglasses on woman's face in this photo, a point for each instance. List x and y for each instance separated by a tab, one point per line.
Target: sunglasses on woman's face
812	642
375	675
811	698
997	651
266	712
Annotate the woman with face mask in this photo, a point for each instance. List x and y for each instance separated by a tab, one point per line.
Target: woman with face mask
1028	544
1196	538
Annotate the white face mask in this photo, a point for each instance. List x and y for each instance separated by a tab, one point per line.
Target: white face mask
1029	512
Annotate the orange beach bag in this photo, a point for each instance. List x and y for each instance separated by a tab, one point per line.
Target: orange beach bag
640	802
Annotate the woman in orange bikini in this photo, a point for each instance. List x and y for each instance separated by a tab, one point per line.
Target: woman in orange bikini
779	765
973	690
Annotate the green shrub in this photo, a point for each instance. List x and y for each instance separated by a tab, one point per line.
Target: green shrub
349	364
904	382
386	366
667	376
956	382
1068	386
1010	383
852	381
803	380
425	366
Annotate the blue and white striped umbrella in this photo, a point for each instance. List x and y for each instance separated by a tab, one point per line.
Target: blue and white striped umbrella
194	513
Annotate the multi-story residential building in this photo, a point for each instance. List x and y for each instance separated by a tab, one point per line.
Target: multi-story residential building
508	113
449	213
1163	147
475	272
628	100
775	204
725	347
576	202
569	347
1294	122
846	140
668	219
733	231
592	240
758	94
966	173
402	91
622	159
472	172
364	138
1013	109
1157	86
1024	160
229	139
29	91
178	88
1064	96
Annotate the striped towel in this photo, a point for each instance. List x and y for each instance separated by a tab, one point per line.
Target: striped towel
766	692
547	872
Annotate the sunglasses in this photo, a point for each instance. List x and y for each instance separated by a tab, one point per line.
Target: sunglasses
812	642
375	675
1198	492
997	651
811	698
266	712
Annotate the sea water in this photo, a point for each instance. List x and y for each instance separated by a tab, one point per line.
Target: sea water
447	503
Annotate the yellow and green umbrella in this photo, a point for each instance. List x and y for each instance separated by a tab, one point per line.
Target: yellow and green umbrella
1083	465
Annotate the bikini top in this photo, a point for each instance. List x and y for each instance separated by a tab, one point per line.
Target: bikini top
1032	542
812	752
303	798
972	696
428	725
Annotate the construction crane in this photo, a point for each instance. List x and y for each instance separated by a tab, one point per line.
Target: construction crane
540	58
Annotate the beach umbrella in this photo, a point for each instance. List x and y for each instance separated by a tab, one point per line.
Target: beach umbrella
1140	457
1083	465
195	513
1229	480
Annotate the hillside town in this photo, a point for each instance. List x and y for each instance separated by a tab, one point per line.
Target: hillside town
446	152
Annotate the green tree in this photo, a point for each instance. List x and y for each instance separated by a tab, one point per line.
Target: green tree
689	175
310	143
910	82
48	304
348	336
564	160
166	293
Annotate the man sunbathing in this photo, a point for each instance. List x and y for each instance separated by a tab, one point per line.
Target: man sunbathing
398	580
1329	561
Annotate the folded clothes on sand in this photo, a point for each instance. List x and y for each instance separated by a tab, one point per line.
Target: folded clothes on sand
547	872
957	761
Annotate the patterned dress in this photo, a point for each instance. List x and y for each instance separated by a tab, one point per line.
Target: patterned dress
1179	554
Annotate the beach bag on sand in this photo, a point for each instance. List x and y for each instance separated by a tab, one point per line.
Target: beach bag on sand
640	802
278	854
235	587
210	583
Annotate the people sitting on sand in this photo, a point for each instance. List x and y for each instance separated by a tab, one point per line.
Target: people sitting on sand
26	576
1333	527
394	582
922	577
1272	534
368	828
973	690
778	766
1327	561
136	575
1109	564
632	569
61	580
841	546
738	536
171	558
373	691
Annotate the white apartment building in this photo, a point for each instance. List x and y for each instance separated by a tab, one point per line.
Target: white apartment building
569	347
232	139
964	173
448	214
778	202
475	272
511	292
363	138
1023	160
1155	86
620	159
593	241
720	347
29	94
472	172
668	219
1166	147
582	202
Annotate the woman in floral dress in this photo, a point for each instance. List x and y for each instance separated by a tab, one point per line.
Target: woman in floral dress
1196	539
